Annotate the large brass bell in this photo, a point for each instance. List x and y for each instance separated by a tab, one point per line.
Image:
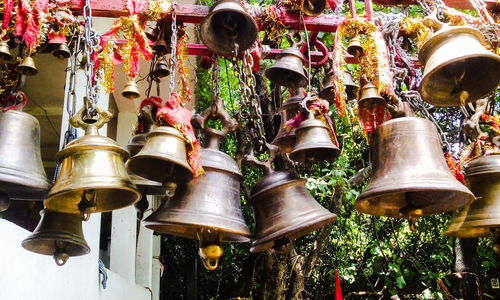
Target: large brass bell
410	177
163	158
312	8
314	142
27	66
228	29
288	70
131	90
59	235
284	210
22	176
458	69
354	48
62	51
284	139
482	217
161	68
92	177
5	54
369	96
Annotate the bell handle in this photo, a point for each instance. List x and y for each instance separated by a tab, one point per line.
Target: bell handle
432	21
216	111
303	105
90	128
290	36
265	166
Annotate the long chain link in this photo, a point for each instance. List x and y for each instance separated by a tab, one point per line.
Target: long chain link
173	47
215	76
91	42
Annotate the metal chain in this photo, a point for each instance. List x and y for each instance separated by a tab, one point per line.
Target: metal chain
91	42
173	47
215	76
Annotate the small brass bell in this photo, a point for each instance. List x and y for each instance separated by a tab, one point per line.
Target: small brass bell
228	29
62	51
410	176
284	209
458	69
284	139
22	176
59	235
92	177
288	70
327	92
131	90
312	8
314	142
27	66
351	88
160	47
163	158
369	96
482	216
161	68
5	54
354	48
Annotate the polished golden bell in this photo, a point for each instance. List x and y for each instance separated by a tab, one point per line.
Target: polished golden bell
5	54
288	70
228	29
284	139
131	90
27	66
59	235
62	51
312	8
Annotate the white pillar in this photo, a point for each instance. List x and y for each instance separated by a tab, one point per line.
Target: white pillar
157	269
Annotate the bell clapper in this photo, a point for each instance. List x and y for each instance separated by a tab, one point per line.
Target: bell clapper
210	247
170	188
88	201
60	255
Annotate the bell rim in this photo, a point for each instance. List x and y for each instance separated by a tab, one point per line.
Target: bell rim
297	153
135	160
479	166
306	227
30	242
313	14
269	72
91	143
460	228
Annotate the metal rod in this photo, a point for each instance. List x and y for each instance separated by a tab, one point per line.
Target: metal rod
369	10
352	8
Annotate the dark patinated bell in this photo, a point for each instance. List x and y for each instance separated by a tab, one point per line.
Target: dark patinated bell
351	88
228	29
312	8
288	70
160	47
482	216
410	175
327	91
284	209
314	142
22	176
131	90
163	158
5	54
354	48
161	68
59	235
284	139
62	51
369	97
27	66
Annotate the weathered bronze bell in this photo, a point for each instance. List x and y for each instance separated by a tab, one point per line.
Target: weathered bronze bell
62	51
369	96
92	177
131	90
161	68
5	54
328	93
354	48
163	158
312	8
351	88
458	69
284	209
57	234
209	201
160	47
410	176
228	29
284	139
313	142
479	218
22	176
27	66
288	70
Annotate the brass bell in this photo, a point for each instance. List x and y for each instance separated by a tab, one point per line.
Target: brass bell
314	142
163	158
288	70
160	47
458	69
312	8
92	177
354	48
204	202
351	88
284	209
369	97
27	66
410	177
161	68
57	234
482	216
284	139
228	29
62	51
22	176
327	92
131	90
5	54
